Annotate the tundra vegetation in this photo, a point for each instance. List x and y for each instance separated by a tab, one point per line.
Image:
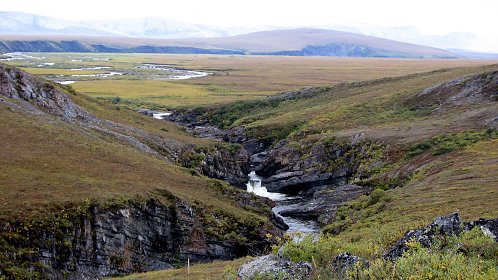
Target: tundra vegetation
233	77
438	148
441	158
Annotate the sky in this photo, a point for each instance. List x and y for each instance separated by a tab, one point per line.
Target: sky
436	17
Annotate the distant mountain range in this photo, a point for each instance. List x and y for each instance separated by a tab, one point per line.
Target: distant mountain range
28	32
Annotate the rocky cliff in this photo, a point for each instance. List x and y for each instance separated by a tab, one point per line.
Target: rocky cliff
308	166
227	162
91	241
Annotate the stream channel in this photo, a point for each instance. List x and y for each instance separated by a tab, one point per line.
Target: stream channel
284	202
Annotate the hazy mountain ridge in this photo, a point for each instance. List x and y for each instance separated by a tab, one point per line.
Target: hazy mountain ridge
17	23
408	34
292	42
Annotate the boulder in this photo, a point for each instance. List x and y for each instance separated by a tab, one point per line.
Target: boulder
274	266
345	261
488	227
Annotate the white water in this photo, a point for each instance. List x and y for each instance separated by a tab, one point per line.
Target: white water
161	115
46	64
181	74
283	202
295	225
254	186
19	56
98	75
65	82
92	68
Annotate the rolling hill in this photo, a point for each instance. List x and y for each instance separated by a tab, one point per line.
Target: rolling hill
308	41
293	42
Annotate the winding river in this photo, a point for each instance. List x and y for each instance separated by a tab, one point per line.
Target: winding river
284	202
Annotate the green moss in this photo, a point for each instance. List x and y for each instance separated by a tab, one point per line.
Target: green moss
445	143
358	210
191	159
228	115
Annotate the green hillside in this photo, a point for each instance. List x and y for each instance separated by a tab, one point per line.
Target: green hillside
428	147
69	163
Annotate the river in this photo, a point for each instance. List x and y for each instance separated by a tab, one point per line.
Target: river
284	202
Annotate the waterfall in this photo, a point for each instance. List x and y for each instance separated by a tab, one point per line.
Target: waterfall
254	186
283	202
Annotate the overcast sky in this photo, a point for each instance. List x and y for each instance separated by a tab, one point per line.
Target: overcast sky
429	16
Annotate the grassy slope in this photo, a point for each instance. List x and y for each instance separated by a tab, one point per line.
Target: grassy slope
47	163
167	130
162	93
382	109
213	270
463	180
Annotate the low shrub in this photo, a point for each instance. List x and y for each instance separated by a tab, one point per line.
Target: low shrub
469	256
317	251
445	143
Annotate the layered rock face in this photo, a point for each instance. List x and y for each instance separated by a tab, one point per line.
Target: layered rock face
99	242
231	166
311	166
21	86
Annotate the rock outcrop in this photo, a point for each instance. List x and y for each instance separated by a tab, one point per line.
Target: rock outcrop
323	205
304	169
221	161
95	242
446	225
344	262
477	89
44	96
